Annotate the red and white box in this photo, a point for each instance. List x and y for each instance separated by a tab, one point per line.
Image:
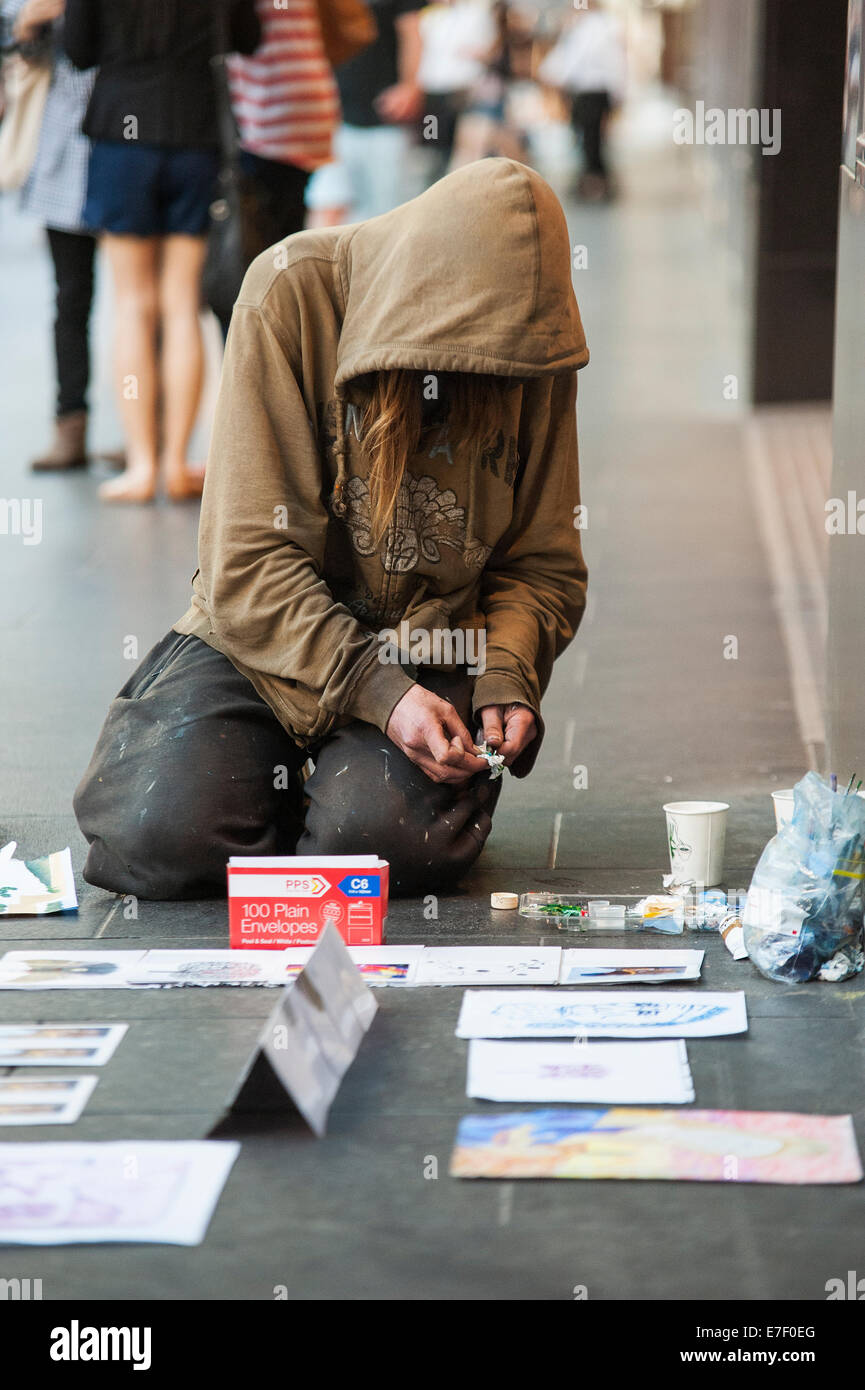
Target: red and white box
276	901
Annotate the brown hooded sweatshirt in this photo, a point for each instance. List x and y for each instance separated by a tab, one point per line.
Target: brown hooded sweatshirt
472	276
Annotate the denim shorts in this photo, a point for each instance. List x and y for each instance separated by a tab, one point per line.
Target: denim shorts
149	190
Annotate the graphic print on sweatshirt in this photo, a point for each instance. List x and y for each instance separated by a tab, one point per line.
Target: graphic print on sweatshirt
427	516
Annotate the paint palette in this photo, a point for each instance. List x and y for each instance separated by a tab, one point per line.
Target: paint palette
579	912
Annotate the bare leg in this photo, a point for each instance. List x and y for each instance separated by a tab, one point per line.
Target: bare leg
133	262
181	359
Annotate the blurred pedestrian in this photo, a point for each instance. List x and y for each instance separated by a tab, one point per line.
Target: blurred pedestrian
286	106
588	64
153	123
54	194
484	129
381	100
455	37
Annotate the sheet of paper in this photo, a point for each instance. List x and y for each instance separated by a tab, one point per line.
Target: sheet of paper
617	1013
591	967
379	965
58	1044
211	967
30	1100
311	1038
128	1190
61	969
695	1145
605	1073
489	965
30	887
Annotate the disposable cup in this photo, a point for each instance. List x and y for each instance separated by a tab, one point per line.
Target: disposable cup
696	832
783	803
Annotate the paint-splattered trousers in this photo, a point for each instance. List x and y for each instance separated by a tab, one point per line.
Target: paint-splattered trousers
192	766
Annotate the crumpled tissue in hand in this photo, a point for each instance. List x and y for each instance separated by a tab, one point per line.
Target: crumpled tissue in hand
495	761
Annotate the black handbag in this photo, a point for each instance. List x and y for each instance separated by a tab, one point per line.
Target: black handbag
230	242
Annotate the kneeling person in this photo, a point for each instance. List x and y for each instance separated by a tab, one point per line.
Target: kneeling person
394	450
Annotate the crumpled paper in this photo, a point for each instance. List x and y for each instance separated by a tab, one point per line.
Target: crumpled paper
495	761
842	965
30	887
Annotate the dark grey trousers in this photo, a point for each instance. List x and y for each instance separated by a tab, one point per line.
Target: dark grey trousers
192	766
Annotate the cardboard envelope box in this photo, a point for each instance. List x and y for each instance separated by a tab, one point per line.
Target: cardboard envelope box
276	901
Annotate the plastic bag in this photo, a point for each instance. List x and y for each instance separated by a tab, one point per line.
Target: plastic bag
803	913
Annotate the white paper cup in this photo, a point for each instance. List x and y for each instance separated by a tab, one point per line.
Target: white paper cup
696	832
783	803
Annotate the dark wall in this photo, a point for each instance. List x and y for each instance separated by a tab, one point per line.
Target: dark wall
802	73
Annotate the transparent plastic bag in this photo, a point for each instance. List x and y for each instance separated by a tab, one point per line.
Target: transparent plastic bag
803	914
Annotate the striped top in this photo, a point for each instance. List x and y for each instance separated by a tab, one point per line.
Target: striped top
285	98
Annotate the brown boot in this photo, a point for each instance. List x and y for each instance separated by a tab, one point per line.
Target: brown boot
68	447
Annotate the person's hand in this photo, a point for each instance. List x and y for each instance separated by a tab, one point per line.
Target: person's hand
430	732
34	14
508	729
399	104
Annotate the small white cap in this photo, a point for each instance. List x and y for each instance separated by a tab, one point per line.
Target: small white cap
504	900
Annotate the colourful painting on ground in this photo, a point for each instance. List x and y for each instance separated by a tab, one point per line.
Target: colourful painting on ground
379	965
385	972
695	1145
374	972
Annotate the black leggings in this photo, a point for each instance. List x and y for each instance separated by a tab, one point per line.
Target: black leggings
588	115
273	203
72	254
192	766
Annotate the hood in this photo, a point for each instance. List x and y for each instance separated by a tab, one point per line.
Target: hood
472	276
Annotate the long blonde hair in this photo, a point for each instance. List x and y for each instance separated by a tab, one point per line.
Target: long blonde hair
394	420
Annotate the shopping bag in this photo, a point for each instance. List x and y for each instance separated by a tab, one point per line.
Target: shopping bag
25	85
